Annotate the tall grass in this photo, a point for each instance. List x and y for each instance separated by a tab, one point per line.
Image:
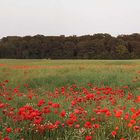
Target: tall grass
114	73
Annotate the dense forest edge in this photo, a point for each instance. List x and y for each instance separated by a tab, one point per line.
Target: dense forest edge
97	46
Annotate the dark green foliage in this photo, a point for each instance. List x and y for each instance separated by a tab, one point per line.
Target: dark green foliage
97	46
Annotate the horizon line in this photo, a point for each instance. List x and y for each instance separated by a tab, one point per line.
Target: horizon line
67	35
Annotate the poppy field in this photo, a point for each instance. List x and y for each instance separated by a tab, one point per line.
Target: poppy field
69	99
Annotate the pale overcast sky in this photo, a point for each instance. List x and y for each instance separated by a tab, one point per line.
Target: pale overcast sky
69	17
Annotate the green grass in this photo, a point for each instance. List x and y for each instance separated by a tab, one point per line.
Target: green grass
114	73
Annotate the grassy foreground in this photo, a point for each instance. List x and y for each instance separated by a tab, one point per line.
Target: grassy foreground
69	100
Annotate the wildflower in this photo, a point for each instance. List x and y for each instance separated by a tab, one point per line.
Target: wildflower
50	103
73	103
38	120
2	105
133	110
55	105
138	99
125	87
97	126
126	117
46	110
93	119
8	129
118	113
63	113
136	128
113	133
88	125
88	138
70	123
6	138
16	90
63	125
89	96
77	126
77	111
108	113
73	117
41	102
6	81
131	123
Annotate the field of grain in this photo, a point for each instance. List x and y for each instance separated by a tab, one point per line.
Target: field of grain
69	99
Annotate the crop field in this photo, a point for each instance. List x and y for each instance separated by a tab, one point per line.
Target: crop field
69	99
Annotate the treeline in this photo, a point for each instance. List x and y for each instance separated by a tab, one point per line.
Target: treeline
97	46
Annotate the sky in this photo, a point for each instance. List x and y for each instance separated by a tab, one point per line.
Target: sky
69	17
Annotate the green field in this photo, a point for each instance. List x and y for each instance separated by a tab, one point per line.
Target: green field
57	73
69	99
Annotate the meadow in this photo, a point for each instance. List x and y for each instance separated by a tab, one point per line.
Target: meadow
69	99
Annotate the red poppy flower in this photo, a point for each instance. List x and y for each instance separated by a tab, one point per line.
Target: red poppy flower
6	138
63	113
118	113
8	129
41	102
70	123
114	133
88	125
77	126
88	138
